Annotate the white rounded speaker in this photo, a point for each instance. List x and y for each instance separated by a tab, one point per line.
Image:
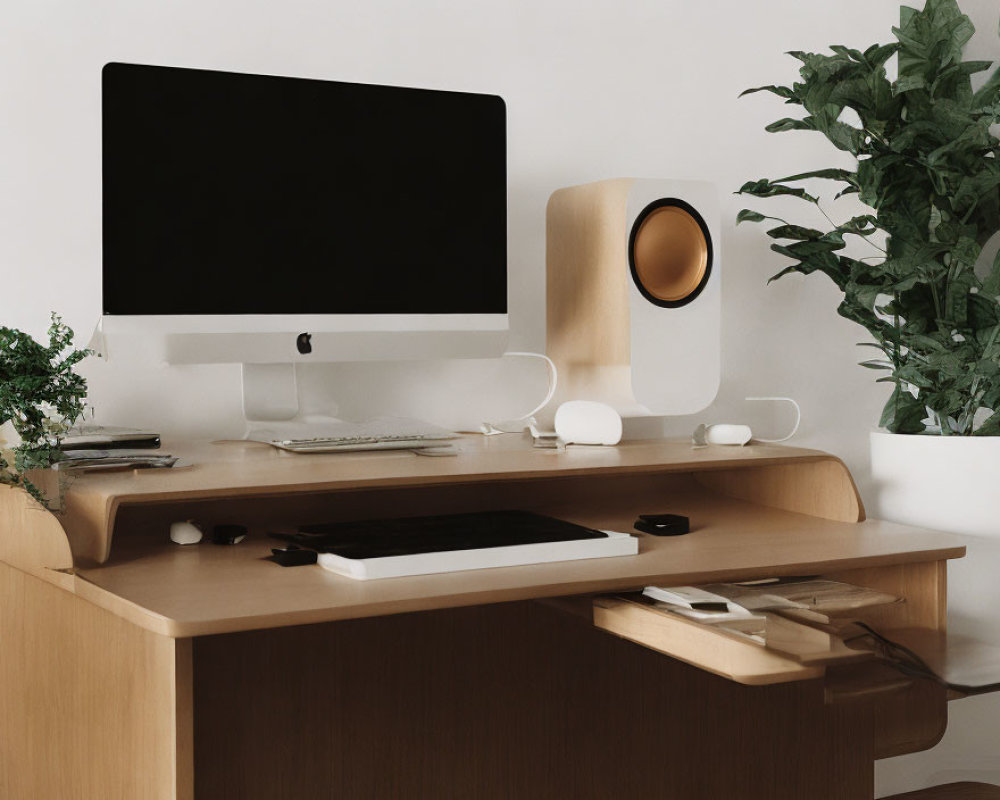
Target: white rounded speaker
634	304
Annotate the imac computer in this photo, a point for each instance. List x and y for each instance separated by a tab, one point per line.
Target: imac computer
269	221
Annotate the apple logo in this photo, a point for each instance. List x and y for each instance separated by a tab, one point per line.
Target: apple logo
303	343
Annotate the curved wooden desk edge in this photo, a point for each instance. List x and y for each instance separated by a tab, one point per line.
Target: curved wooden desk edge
33	540
824	490
475	590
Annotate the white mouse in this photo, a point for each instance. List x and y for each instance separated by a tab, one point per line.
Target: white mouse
737	435
729	434
185	532
588	422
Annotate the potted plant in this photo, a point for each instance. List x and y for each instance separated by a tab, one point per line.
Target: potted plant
41	397
908	258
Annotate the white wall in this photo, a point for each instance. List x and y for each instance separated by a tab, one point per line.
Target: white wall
594	90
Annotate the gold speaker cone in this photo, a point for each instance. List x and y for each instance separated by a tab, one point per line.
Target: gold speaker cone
670	253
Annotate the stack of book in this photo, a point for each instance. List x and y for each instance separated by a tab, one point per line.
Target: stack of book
95	447
106	437
113	459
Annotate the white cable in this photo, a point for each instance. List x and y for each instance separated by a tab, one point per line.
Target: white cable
553	380
795	427
514	425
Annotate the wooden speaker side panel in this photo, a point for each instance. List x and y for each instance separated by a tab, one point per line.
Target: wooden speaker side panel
587	275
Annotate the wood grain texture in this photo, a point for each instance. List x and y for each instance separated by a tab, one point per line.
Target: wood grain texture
507	701
952	791
234	470
31	538
824	490
910	720
808	645
88	702
908	715
587	275
916	717
488	701
190	591
924	587
702	646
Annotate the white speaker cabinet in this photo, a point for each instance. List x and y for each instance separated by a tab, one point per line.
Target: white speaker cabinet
633	293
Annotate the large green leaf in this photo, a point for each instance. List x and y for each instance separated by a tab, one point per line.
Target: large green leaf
829	174
795	232
749	215
903	413
791	124
877	55
765	188
781	91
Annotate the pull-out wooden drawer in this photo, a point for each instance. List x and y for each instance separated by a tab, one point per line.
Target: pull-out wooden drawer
907	711
796	652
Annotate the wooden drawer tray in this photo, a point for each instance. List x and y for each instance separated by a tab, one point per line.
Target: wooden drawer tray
806	651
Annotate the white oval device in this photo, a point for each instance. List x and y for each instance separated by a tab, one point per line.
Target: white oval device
588	422
728	434
185	532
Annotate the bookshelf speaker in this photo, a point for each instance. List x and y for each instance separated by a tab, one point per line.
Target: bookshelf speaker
633	277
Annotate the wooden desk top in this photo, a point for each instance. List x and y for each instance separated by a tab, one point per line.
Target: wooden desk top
756	512
190	591
239	468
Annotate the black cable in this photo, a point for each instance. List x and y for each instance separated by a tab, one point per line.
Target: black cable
906	661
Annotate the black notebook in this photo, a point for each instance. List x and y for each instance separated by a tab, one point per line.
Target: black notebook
445	543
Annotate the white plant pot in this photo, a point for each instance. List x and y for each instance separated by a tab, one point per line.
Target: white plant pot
949	483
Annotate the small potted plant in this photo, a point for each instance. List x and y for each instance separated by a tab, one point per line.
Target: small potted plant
41	397
908	257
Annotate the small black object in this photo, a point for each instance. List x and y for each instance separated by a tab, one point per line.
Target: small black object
292	556
228	534
303	343
709	605
663	524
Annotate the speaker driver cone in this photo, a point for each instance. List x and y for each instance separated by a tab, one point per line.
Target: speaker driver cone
670	253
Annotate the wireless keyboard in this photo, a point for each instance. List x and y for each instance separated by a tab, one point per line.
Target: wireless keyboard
342	444
382	434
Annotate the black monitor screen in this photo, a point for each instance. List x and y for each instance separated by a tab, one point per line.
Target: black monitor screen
248	194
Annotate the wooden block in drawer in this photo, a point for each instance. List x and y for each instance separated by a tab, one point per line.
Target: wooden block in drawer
809	645
717	651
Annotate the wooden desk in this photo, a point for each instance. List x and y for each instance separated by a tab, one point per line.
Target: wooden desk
133	668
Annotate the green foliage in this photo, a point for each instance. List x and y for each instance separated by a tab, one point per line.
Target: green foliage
928	167
41	397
